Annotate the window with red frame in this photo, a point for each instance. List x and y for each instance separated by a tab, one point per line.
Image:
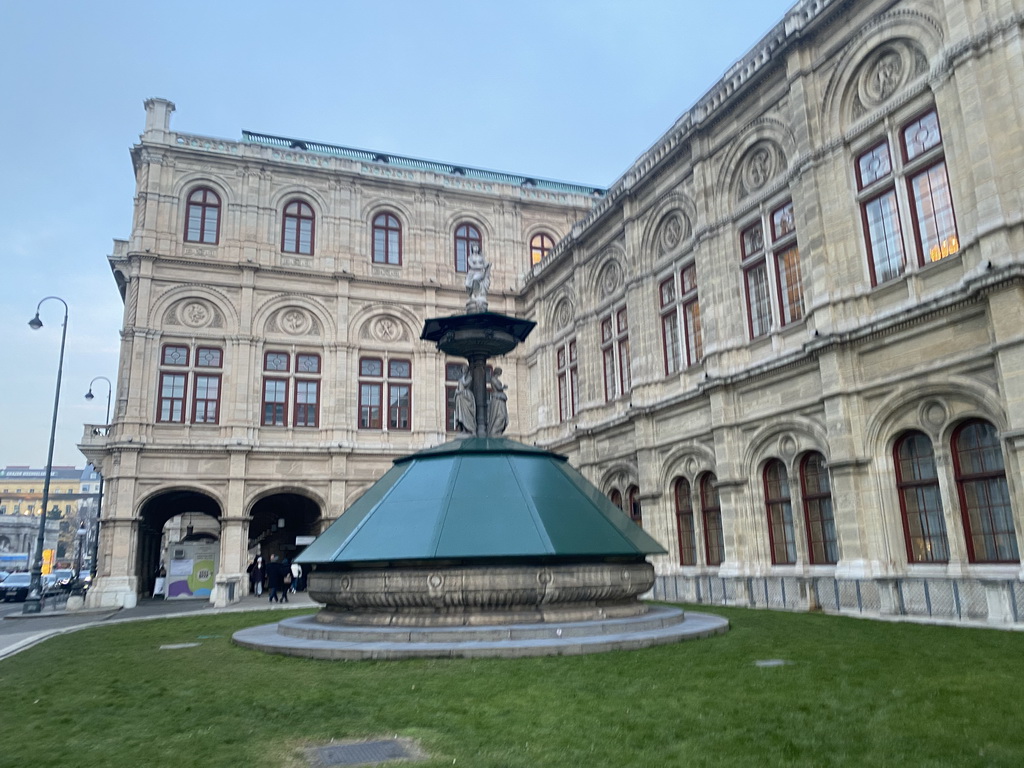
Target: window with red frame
911	181
180	368
466	236
385	381
291	378
822	543
682	343
762	258
202	217
984	494
540	247
711	517
567	373
917	482
634	511
684	523
297	232
615	354
780	513
387	240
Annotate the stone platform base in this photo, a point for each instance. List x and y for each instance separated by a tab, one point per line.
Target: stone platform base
306	637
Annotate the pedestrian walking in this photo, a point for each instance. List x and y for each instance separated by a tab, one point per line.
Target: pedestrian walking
296	584
276	572
257	573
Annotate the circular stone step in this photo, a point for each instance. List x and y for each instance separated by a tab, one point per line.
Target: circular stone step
304	636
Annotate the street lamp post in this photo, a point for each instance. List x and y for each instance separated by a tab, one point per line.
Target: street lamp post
33	603
80	540
99	500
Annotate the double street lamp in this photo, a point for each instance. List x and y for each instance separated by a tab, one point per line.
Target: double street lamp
33	603
99	501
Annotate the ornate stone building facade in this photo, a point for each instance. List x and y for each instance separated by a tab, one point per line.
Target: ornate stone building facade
788	340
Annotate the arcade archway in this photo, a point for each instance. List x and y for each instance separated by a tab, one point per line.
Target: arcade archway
195	519
279	522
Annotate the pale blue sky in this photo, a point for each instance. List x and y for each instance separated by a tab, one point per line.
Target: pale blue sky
563	89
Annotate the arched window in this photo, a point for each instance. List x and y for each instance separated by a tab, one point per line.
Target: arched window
635	514
298	229
540	247
780	513
387	239
822	545
202	217
711	513
924	527
684	523
616	497
984	496
466	236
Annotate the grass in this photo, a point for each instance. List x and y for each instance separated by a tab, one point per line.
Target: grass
854	693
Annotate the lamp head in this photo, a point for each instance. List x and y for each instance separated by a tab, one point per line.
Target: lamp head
89	395
35	323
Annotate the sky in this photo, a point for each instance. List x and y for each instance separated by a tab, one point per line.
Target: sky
572	90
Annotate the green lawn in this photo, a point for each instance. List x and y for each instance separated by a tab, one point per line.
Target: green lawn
854	693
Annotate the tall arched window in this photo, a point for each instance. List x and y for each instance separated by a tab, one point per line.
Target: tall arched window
634	512
711	513
984	496
616	497
780	513
540	247
387	239
684	523
466	236
202	217
298	228
822	544
924	527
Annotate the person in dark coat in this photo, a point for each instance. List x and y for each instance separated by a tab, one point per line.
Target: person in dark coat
257	573
276	571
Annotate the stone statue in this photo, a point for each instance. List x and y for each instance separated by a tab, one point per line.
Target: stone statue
465	404
497	406
478	280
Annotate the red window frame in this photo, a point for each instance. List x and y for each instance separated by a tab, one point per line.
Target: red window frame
206	404
685	529
819	517
711	517
306	411
779	506
566	373
984	495
386	240
298	228
635	512
917	484
202	214
170	406
274	411
466	236
541	245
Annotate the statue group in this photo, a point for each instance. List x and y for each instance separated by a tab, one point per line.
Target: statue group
497	405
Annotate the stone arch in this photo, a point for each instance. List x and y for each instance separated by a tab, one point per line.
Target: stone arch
286	194
190	180
906	33
169	308
619	475
689	460
562	311
757	163
310	318
934	408
668	229
469	216
784	439
608	277
381	323
393	205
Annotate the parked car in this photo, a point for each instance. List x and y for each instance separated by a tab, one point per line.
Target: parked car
64	578
15	587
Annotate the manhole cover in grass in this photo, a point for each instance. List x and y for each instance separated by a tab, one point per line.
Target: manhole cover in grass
365	753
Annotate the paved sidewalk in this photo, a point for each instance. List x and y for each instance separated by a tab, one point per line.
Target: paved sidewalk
19	631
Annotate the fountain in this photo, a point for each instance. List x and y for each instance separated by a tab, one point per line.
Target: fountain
481	546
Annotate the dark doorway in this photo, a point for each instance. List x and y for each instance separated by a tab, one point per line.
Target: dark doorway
276	522
153	517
